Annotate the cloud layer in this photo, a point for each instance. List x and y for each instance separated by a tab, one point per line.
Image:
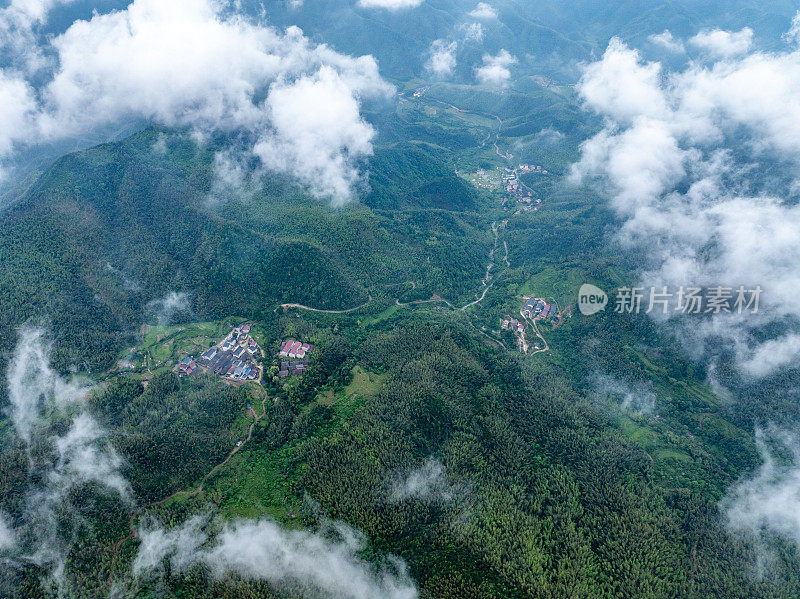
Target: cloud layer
684	157
189	63
767	502
495	70
724	44
636	397
426	482
483	11
666	40
164	310
80	455
442	59
326	562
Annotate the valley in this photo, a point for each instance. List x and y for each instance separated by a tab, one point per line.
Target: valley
290	306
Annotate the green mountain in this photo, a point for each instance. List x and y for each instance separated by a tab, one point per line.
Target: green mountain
421	448
548	490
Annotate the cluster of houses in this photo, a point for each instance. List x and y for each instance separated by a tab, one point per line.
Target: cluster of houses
511	182
187	367
527	204
421	91
232	358
512	324
518	328
294	367
532	168
295	349
538	308
296	352
521	194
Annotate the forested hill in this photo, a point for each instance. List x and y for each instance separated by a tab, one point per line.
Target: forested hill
106	231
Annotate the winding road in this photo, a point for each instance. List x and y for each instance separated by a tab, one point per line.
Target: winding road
486	280
310	309
538	334
480	299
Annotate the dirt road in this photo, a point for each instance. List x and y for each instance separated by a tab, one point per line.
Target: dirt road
132	527
538	334
310	309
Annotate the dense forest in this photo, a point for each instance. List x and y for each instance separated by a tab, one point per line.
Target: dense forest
105	232
531	487
423	451
534	490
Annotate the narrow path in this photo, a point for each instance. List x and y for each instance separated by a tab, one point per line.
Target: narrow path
132	527
538	334
310	309
480	299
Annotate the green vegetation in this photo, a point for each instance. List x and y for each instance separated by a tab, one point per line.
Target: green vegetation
550	487
173	432
536	472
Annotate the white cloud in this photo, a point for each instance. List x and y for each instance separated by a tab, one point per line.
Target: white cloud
483	11
7	537
666	40
473	32
327	562
793	35
636	397
30	11
317	133
19	24
495	69
391	5
17	110
442	60
623	87
767	502
34	388
772	355
723	44
682	156
426	482
82	454
232	174
164	309
550	136
185	63
83	457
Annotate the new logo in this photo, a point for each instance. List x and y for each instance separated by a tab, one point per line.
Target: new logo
591	299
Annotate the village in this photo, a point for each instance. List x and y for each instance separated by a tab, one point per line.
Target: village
296	353
534	309
538	308
233	358
509	180
518	191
